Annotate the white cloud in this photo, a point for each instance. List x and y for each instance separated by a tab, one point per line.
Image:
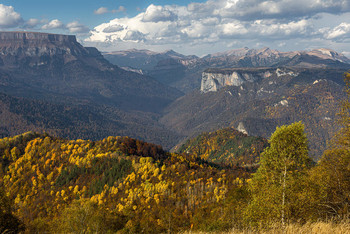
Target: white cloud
53	24
104	10
101	10
233	29
8	17
339	32
32	23
223	21
113	28
273	29
120	9
134	36
157	14
346	53
257	9
76	27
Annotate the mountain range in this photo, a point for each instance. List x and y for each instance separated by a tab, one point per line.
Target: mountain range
50	82
185	72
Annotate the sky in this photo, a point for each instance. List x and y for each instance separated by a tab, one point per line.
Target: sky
187	26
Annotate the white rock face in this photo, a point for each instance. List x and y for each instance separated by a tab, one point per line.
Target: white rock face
241	128
281	72
284	103
215	81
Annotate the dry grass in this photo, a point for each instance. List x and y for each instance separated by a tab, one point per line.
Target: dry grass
308	228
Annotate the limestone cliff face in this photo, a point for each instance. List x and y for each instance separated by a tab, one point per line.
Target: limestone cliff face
19	50
215	79
26	37
39	44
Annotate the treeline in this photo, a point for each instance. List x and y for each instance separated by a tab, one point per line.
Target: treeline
79	121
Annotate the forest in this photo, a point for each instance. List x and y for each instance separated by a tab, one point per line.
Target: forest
123	185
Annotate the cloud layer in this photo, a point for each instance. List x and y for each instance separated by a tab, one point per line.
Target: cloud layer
214	25
226	20
8	17
105	10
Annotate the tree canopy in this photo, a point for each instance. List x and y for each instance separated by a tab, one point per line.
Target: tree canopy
276	185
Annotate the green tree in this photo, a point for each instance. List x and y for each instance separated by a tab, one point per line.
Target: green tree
332	174
276	188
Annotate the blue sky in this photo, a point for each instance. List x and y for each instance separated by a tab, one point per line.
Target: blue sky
70	10
189	27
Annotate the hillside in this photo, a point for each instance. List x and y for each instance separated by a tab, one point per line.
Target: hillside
51	83
128	184
75	120
264	99
226	146
120	184
57	68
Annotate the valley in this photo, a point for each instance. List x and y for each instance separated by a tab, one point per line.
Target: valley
143	142
51	83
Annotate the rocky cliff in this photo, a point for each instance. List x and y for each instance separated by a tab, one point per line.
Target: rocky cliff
39	44
12	38
215	79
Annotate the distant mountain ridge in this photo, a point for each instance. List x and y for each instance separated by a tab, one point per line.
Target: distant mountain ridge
322	53
185	72
142	59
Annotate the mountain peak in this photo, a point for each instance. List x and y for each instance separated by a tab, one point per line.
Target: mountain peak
173	54
325	53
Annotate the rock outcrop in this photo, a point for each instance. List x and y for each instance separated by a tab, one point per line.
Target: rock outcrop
38	44
215	79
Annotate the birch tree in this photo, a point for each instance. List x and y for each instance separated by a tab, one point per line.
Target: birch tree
277	184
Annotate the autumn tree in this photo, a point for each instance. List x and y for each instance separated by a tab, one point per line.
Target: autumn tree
332	175
84	216
277	185
8	222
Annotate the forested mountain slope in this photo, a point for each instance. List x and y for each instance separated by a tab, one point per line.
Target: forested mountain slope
128	184
265	99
